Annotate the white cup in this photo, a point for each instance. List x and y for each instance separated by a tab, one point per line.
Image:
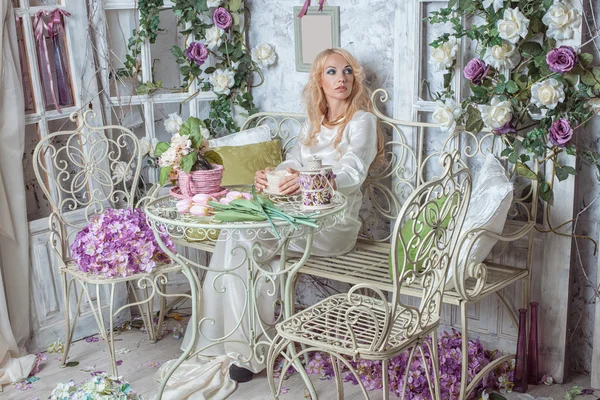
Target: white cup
273	178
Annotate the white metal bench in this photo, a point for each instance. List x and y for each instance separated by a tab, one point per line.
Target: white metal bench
411	159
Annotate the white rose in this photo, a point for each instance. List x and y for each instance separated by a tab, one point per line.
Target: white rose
502	56
169	157
443	57
498	4
213	37
213	3
264	54
513	25
173	123
547	93
222	81
146	146
181	143
561	19
446	115
496	114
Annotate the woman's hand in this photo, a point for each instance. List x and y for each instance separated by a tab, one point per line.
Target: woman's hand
289	183
260	179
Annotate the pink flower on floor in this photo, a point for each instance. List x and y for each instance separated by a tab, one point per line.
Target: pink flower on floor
119	362
153	364
23	385
92	339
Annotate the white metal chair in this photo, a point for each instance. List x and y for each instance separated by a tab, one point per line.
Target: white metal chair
82	173
359	326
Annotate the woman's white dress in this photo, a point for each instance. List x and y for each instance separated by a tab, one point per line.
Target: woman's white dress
224	295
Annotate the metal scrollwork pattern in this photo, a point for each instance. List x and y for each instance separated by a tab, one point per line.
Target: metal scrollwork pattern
85	170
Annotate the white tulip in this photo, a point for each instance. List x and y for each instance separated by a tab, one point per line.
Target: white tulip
173	123
264	55
502	56
498	4
446	114
561	19
513	25
213	37
222	81
496	114
547	93
442	58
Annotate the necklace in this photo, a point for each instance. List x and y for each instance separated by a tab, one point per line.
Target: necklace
336	121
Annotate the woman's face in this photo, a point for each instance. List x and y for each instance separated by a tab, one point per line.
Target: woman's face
337	79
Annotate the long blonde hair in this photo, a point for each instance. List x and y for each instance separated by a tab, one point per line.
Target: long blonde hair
316	103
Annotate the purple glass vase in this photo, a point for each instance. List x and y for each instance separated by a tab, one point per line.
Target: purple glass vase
63	80
521	365
532	350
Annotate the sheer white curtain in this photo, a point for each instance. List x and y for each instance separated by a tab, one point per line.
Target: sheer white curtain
14	244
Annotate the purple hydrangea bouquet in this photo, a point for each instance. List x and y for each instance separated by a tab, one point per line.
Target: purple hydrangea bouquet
523	81
118	243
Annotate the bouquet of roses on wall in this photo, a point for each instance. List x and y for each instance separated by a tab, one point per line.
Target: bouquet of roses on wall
523	81
187	150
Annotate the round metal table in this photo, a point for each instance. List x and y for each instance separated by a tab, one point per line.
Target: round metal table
188	230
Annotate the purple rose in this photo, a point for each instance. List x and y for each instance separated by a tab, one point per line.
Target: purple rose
197	52
222	19
562	59
560	132
506	128
475	70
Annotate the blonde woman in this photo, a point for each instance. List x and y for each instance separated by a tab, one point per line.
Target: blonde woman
343	132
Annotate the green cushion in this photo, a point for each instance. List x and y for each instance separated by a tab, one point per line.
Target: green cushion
407	233
240	163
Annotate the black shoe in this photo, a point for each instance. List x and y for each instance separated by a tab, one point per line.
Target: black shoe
239	374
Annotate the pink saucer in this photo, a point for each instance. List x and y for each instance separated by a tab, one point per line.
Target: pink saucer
176	192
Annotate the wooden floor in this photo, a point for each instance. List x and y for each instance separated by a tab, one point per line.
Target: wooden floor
140	364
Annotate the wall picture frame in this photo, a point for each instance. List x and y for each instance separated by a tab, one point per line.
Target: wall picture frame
315	32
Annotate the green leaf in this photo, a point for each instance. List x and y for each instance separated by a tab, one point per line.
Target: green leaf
570	170
536	25
531	48
496	396
234	5
188	161
588	78
512	87
160	148
177	52
561	174
526	172
474	123
499	88
236	18
545	191
513	158
192	127
572	78
164	174
210	70
213	157
506	152
585	59
72	363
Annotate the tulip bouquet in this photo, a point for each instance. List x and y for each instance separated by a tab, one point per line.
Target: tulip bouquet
240	207
522	81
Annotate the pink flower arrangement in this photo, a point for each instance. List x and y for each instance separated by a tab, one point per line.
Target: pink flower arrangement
118	243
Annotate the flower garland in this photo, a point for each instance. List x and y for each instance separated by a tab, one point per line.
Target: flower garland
523	83
217	29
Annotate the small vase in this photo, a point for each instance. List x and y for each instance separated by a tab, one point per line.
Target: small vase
532	350
521	364
200	182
